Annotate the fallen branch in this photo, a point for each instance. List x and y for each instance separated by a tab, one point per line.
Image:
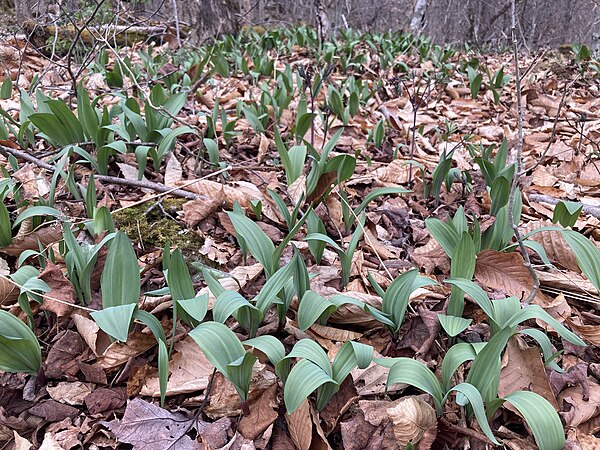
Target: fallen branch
590	210
157	187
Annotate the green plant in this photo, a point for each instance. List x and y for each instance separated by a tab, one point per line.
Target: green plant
120	287
19	348
225	351
395	300
314	371
344	255
80	260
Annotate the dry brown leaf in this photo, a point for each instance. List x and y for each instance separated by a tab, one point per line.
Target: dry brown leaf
173	171
224	399
62	289
90	332
71	393
430	257
300	426
263	412
506	271
9	292
576	410
195	211
590	333
34	183
411	417
240	276
379	249
43	236
263	148
555	245
297	190
523	369
21	443
118	353
189	371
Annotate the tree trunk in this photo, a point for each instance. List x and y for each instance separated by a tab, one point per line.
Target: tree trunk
323	25
596	32
208	18
22	11
416	22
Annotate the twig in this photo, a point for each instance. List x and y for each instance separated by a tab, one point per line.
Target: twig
158	187
519	163
591	210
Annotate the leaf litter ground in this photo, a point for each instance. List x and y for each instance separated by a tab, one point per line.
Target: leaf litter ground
99	394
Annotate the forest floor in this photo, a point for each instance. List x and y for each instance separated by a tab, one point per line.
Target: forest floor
399	114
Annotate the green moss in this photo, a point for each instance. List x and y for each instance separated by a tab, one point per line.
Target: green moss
155	229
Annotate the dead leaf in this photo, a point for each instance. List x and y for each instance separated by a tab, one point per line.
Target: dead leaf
523	369
590	333
53	411
21	443
62	290
42	236
506	271
430	257
263	412
263	148
300	426
70	393
574	409
148	427
61	361
106	399
195	211
189	371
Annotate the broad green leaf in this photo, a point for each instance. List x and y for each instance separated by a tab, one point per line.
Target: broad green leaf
195	307
269	345
476	402
219	344
273	286
587	255
351	355
178	278
67	119
36	211
259	244
414	373
19	348
303	379
120	282
168	140
6	88
163	354
232	303
536	312
544	342
462	266
475	292
239	372
567	213
485	370
453	325
456	356
115	320
445	234
541	418
312	306
499	193
378	193
5	226
309	349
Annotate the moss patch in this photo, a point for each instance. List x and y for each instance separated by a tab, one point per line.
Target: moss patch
155	229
